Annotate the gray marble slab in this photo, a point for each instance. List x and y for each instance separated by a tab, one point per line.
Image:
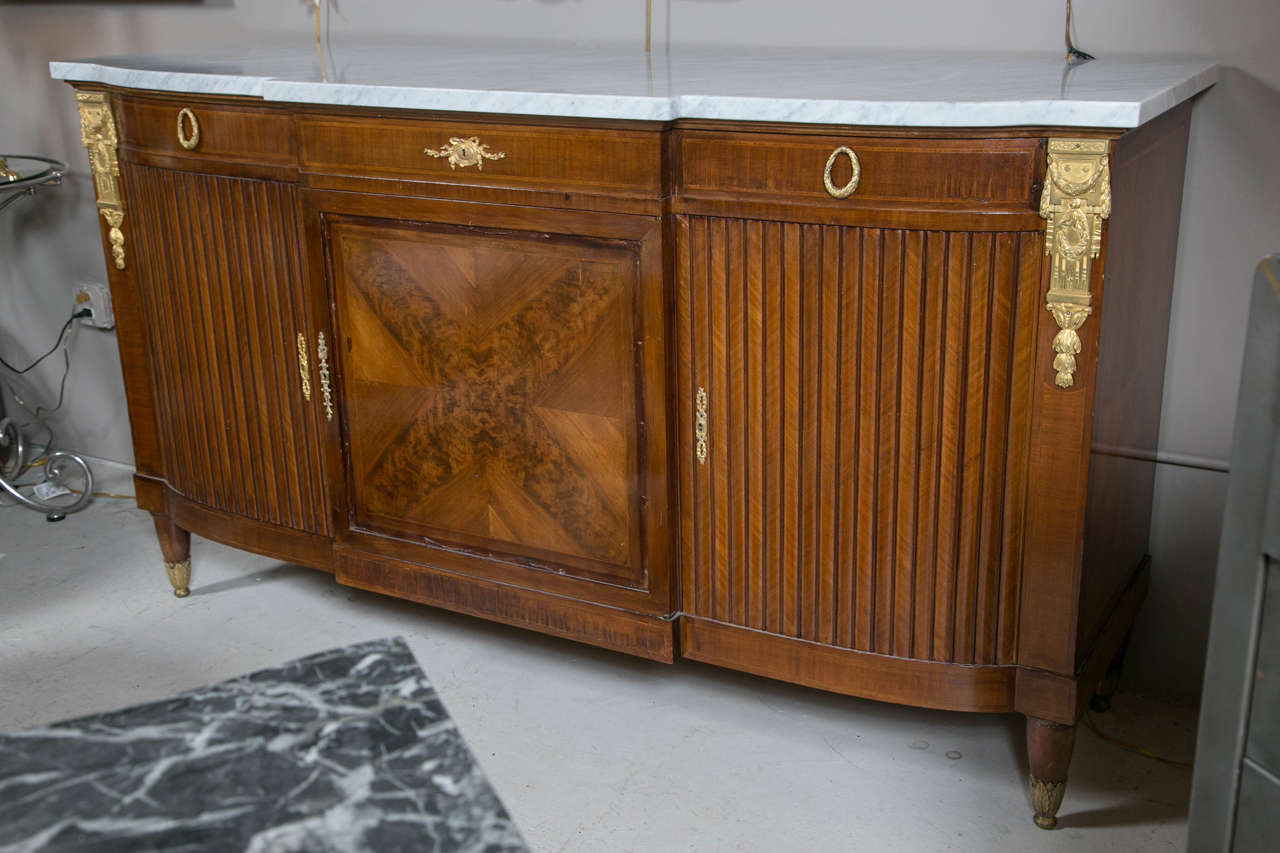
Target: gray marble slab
346	750
623	82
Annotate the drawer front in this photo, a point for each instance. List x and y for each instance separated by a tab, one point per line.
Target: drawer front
210	131
812	169
564	159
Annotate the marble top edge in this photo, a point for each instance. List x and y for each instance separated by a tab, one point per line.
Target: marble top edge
1179	92
1101	114
132	78
511	102
885	88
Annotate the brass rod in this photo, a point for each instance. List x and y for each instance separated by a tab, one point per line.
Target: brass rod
648	25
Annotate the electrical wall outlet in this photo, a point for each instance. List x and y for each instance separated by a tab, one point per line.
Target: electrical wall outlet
97	298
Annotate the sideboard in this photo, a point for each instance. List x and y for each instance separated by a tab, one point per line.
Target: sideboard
850	392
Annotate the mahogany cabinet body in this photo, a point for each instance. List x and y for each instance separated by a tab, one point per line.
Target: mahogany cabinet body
892	498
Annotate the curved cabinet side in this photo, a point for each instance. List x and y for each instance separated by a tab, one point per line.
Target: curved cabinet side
218	273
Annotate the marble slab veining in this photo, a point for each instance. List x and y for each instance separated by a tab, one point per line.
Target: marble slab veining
346	750
620	82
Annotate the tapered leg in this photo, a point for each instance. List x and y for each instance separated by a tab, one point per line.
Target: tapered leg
1049	747
175	544
1101	699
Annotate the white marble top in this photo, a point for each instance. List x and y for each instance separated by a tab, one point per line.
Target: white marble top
622	82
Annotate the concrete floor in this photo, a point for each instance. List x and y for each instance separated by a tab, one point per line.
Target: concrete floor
591	751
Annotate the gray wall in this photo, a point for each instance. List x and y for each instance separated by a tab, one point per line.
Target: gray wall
1231	211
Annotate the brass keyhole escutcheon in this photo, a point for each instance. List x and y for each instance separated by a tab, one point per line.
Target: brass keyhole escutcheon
188	142
846	190
303	371
465	152
700	425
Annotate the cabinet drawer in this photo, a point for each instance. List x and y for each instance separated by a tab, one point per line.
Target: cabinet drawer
563	159
211	131
911	172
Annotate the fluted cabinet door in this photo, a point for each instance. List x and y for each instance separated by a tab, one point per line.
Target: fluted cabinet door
233	357
862	475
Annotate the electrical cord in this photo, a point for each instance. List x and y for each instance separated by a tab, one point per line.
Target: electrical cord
83	312
111	495
40	414
1132	747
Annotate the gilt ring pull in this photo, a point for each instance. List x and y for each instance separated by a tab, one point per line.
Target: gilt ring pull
188	142
848	189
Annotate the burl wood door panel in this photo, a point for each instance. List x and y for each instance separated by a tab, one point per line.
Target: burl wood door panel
493	380
868	417
218	268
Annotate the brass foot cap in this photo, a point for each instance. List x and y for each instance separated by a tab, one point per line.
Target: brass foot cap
179	577
1046	799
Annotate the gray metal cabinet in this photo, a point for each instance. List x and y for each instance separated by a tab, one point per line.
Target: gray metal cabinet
1235	797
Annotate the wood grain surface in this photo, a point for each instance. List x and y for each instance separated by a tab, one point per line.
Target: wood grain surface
897	502
868	432
218	266
633	633
502	372
1133	335
234	137
491	390
581	159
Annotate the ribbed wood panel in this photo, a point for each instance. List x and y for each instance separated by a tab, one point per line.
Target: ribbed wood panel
868	400
217	264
